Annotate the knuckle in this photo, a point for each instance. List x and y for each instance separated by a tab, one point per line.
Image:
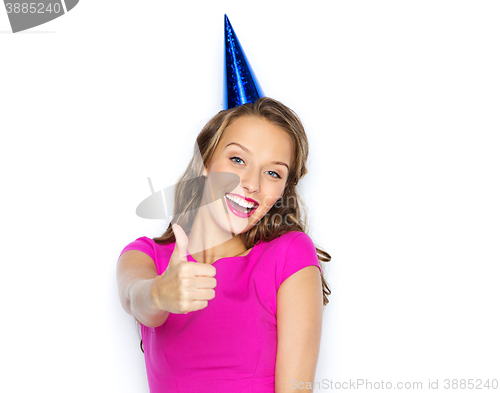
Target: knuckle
183	267
186	282
183	307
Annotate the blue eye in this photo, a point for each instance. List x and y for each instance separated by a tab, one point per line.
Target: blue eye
238	158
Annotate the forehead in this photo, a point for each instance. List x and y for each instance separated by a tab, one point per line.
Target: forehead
259	136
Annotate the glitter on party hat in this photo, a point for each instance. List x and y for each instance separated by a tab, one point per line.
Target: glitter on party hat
240	84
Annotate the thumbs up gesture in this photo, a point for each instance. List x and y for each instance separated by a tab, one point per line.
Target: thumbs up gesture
184	286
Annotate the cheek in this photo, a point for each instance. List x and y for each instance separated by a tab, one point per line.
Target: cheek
271	198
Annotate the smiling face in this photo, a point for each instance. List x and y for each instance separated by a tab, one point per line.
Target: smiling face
260	153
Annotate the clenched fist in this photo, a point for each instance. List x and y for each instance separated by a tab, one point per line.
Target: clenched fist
184	286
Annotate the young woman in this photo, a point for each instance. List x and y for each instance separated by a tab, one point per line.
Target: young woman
231	299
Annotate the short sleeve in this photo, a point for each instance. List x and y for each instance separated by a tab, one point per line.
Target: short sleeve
141	244
301	253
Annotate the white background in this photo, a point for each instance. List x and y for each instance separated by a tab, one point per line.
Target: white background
400	101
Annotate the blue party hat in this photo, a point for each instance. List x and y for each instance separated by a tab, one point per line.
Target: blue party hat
241	85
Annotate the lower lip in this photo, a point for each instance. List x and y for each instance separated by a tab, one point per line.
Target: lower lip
237	213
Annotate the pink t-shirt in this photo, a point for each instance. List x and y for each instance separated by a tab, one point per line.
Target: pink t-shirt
230	345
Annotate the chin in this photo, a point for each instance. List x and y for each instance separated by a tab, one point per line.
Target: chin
237	227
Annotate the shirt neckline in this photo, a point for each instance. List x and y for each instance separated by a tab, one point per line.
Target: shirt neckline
241	256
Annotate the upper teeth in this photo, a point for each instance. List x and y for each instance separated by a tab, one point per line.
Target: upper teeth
240	201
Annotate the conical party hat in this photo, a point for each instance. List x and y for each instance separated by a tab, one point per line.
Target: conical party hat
241	87
240	84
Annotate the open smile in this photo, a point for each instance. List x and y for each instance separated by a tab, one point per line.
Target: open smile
241	207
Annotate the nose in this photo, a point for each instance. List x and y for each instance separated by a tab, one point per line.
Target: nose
251	181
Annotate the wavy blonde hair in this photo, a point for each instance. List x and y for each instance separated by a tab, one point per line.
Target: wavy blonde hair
283	217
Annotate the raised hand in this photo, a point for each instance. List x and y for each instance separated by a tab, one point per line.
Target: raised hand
184	286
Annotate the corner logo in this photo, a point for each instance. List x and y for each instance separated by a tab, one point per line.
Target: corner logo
24	15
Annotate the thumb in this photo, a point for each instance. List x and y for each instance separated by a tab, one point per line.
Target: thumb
181	243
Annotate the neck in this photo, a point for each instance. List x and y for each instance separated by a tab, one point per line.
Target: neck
207	242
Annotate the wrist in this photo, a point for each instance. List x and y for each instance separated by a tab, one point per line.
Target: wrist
138	294
153	295
144	304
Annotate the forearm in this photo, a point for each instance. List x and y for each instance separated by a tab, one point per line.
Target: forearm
141	303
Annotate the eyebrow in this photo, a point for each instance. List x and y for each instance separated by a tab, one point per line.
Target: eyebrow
249	152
